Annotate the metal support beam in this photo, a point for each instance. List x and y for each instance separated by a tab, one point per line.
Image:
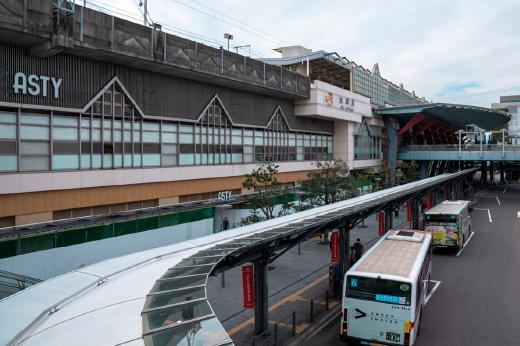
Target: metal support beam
415	120
260	270
427	124
442	133
437	127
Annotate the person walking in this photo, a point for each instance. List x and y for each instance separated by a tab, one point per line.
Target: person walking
358	249
226	224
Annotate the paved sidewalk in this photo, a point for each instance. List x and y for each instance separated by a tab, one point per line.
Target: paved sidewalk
293	280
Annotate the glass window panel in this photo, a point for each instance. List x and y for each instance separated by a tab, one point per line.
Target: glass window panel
186	159
128	111
127	160
248	150
137	136
8	117
65	161
107	135
128	136
128	125
151	159
34	119
237	158
65	133
176	314
85	161
118	160
205	332
186	128
248	132
85	134
236	140
236	132
176	297
137	125
174	284
248	140
96	161
169	160
248	157
186	138
169	127
33	163
150	126
107	161
151	137
35	148
7	131
9	163
65	121
117	124
169	149
259	141
34	132
96	123
137	160
107	124
96	134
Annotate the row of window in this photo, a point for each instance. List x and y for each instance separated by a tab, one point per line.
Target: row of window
59	141
366	146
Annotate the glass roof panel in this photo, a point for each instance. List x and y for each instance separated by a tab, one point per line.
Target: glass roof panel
176	284
174	297
205	332
176	272
212	253
199	261
175	314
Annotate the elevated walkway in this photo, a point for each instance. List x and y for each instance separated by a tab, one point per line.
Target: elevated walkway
462	152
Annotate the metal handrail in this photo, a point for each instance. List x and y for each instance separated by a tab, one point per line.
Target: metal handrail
276	334
318	301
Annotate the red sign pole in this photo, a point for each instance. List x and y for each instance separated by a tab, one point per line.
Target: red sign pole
335	246
453	192
248	286
409	212
429	201
381	223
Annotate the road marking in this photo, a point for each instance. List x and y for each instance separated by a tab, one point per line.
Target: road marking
505	190
518	214
433	290
471	235
492	197
489	213
498	201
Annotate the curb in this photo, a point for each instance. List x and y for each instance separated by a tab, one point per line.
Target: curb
318	326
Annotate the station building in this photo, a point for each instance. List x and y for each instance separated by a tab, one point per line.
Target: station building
100	115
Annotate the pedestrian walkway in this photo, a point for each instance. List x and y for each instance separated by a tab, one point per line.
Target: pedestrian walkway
294	280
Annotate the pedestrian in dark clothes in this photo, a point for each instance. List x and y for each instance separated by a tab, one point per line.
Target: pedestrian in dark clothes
358	249
226	224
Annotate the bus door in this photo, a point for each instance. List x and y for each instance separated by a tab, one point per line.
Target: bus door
378	309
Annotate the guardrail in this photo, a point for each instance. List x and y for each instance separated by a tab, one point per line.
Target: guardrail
463	147
322	303
276	335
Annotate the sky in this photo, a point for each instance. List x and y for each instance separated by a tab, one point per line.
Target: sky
465	52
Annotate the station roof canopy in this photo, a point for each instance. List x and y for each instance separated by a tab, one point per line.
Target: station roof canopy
328	65
457	115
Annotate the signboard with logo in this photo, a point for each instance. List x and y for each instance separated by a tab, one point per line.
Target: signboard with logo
224	196
382	223
248	287
334	239
409	212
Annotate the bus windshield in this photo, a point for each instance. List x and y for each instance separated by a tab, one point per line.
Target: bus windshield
441	218
380	290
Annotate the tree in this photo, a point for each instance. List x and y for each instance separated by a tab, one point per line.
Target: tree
269	190
329	183
404	172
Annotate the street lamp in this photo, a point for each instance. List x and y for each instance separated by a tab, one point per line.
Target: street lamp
377	183
229	37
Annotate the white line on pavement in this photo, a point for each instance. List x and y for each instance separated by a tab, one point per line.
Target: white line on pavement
466	243
518	214
498	201
505	190
489	213
492	197
433	290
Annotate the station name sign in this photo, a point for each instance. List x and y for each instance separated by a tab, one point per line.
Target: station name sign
36	85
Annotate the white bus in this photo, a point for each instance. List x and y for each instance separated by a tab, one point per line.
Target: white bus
384	292
449	223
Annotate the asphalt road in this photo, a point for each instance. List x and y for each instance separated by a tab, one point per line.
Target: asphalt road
478	299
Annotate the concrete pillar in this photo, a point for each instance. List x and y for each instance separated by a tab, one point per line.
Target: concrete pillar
415	214
388	215
510	175
391	218
423	169
261	296
502	176
491	171
484	173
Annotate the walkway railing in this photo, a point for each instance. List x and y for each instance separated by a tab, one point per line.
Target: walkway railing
464	147
278	332
322	302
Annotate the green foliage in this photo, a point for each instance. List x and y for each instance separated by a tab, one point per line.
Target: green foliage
330	183
269	190
404	172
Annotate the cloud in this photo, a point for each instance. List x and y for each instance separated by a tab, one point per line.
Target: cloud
446	50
